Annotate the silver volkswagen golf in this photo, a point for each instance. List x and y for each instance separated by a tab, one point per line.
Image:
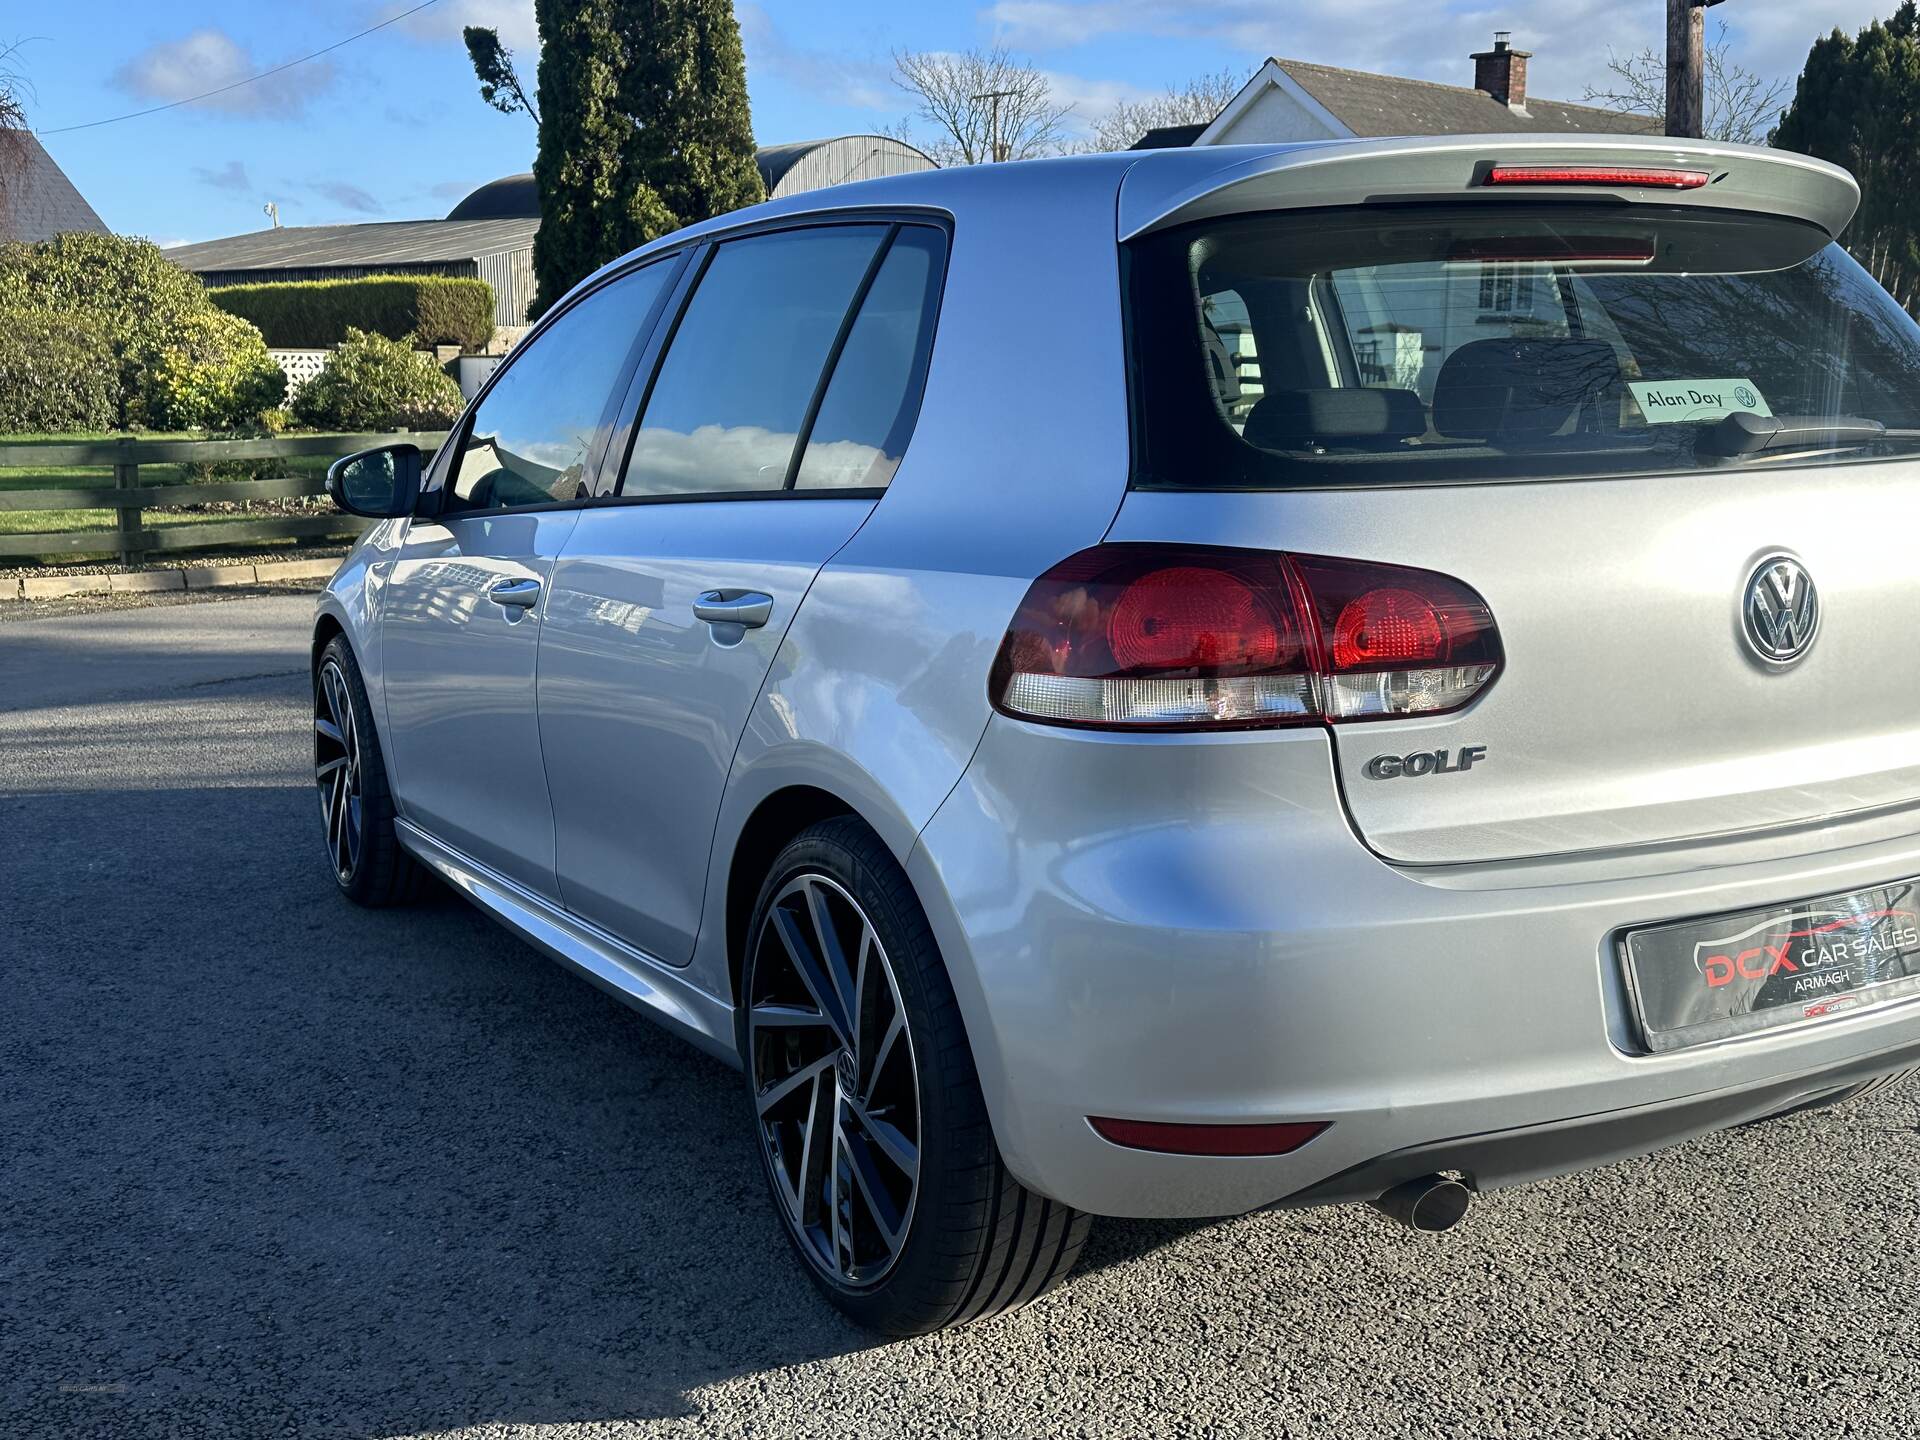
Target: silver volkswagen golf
1171	683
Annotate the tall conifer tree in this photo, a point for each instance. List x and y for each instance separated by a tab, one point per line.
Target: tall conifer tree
1858	105
644	127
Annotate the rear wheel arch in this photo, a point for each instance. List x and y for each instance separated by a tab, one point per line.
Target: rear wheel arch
774	823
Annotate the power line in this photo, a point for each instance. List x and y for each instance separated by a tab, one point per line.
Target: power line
223	89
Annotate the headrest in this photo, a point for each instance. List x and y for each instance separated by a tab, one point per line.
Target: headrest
1291	419
1520	388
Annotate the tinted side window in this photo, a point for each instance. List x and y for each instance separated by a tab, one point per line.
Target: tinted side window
874	396
534	434
733	391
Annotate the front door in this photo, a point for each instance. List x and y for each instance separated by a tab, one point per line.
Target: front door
460	630
467	596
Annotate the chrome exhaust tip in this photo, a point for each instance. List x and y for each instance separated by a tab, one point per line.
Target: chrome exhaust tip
1430	1204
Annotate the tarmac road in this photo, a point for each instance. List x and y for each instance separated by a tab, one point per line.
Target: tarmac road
271	1165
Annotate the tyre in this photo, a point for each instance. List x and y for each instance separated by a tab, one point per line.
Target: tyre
356	807
872	1129
1879	1085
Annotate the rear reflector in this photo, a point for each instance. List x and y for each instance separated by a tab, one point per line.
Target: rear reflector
1279	1139
1623	176
1152	637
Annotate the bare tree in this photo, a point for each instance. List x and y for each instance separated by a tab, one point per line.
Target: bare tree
13	130
1882	255
1195	103
982	105
1741	105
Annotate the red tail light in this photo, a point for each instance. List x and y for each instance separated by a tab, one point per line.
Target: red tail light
1625	176
1152	637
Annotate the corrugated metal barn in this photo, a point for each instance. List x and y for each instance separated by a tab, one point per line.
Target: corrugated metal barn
489	234
816	164
497	251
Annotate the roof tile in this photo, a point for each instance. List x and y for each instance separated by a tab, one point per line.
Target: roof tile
37	201
1374	106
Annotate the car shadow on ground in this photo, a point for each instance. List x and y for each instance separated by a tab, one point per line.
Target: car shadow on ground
281	1160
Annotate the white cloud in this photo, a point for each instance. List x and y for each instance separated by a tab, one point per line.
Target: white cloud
230	176
1570	38
347	197
744	457
713	457
209	59
512	18
831	77
1090	99
1774	39
1247	25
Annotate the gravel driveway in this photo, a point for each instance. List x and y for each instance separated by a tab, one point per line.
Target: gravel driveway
270	1165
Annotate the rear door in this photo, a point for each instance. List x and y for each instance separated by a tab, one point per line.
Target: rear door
779	410
466	596
1672	450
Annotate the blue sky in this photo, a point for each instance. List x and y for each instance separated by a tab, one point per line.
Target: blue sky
392	127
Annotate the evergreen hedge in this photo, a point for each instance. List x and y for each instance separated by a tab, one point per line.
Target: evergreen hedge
373	383
419	309
57	372
123	288
213	374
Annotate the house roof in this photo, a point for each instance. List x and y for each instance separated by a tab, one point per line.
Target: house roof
1168	137
1380	105
37	201
392	242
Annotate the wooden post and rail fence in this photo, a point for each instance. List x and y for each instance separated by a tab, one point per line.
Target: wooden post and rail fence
131	539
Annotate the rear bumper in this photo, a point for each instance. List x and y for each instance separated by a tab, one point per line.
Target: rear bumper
1512	1157
1184	929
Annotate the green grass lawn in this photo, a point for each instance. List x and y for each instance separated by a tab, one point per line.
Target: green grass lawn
43	477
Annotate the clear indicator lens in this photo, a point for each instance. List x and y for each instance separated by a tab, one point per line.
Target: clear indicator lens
1360	696
1144	701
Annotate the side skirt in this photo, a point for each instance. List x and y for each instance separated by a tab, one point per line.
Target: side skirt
630	975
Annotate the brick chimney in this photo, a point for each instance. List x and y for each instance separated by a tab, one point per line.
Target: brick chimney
1502	72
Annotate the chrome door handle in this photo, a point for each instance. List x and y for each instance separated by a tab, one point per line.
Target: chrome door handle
748	609
518	593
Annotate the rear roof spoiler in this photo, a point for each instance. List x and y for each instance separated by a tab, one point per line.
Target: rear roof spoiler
1170	188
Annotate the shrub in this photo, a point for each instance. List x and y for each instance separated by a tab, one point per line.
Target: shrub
56	372
373	383
425	309
133	295
213	373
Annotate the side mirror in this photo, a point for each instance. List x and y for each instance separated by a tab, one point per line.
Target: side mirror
380	483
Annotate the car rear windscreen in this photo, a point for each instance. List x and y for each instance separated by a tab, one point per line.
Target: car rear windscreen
1430	343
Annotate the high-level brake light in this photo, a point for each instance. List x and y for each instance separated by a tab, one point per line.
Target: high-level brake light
1175	637
1551	250
1629	177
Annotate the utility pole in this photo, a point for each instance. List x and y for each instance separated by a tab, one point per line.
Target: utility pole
995	151
1686	66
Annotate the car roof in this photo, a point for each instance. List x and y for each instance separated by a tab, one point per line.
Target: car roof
1154	189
